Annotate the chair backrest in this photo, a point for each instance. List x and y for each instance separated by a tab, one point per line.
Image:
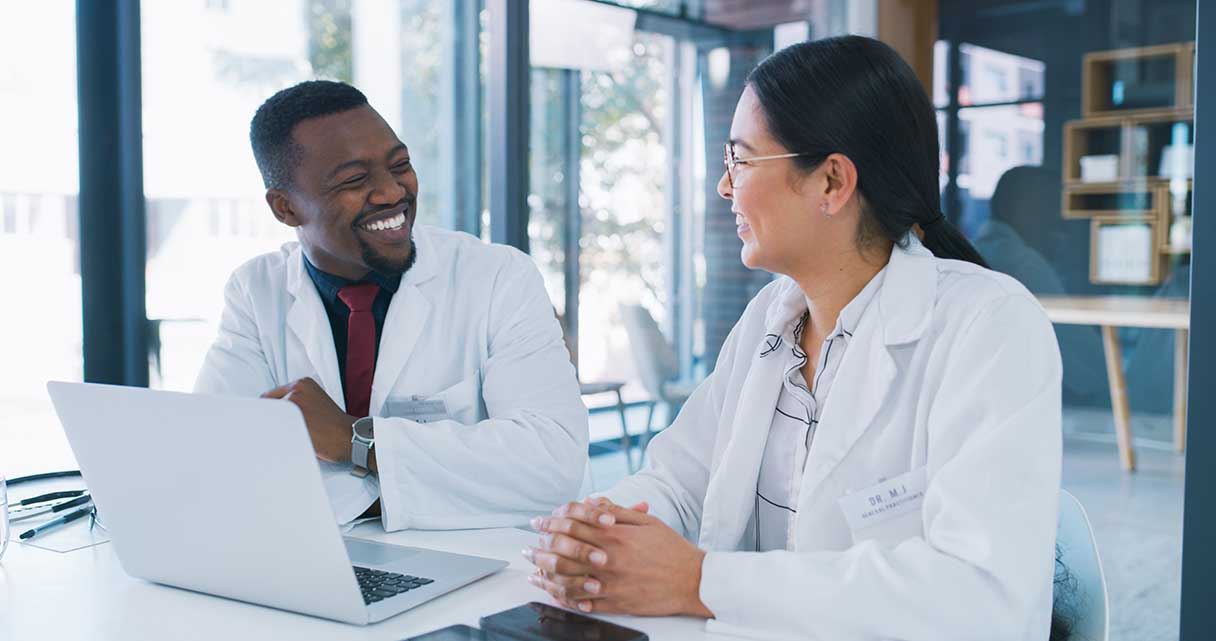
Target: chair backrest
652	354
1086	598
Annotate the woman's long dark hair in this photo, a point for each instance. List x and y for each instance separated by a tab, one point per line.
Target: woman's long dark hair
855	96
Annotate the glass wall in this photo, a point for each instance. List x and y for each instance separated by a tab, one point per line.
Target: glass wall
625	169
416	60
1068	145
40	329
613	200
553	200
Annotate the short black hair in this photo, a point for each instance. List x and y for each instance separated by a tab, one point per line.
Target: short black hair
270	131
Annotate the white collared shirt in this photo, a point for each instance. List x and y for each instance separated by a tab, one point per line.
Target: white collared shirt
797	415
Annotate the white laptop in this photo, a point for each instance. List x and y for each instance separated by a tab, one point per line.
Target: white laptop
224	496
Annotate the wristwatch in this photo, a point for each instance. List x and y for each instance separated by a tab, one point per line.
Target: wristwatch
362	440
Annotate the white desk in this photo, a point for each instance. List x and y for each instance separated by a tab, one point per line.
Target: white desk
86	595
1111	313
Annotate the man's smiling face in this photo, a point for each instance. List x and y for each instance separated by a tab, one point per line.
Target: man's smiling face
352	196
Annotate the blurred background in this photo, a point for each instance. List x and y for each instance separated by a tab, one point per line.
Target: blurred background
1067	131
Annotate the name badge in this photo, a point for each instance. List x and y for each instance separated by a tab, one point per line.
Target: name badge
885	501
421	410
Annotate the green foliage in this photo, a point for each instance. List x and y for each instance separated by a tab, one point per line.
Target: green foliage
625	166
329	39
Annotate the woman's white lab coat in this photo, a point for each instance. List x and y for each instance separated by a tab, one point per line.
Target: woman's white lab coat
927	509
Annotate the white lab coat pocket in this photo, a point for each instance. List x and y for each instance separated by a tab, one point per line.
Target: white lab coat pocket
460	402
888	512
463	400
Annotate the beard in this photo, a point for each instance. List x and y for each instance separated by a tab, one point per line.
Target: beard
385	265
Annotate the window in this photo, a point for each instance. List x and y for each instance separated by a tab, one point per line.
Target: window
625	168
206	212
987	74
553	206
1000	125
617	200
40	331
1018	138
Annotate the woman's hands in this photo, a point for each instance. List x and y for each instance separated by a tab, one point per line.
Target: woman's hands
598	556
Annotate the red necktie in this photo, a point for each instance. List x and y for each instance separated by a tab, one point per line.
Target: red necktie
360	346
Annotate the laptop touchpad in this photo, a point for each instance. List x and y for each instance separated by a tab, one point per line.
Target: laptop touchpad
369	553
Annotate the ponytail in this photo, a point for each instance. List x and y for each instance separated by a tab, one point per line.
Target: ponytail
946	241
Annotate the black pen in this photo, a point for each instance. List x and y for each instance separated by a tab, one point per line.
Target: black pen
80	500
39	509
53	523
50	497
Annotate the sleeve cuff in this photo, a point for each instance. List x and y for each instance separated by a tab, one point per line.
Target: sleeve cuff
728	589
715	581
349	495
389	464
720	581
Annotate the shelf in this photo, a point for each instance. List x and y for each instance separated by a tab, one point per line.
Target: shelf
1126	219
1133	117
1137	144
1153	86
1163	73
1144	183
1156	259
1111	215
1115	201
1138	116
1133	53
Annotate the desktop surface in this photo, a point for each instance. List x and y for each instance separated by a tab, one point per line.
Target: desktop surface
85	594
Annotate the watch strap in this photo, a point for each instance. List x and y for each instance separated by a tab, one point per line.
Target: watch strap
361	448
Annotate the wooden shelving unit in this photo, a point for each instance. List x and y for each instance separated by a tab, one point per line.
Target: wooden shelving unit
1097	76
1158	261
1134	131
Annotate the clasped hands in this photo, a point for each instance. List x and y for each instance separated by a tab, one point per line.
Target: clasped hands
596	556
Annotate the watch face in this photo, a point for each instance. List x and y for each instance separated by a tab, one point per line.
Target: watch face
363	428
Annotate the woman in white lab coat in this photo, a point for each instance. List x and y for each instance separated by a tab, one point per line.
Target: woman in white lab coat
876	454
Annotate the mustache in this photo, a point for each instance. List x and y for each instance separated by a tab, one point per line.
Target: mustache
408	202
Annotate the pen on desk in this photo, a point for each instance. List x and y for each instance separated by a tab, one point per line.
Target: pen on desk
53	523
20	513
80	500
50	497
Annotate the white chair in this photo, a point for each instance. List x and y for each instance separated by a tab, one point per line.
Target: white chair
1086	594
657	365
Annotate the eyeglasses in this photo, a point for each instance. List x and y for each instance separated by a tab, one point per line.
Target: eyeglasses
732	161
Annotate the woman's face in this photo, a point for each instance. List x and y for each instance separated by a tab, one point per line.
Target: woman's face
778	208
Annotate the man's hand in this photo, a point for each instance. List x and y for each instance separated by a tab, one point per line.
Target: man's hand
598	556
328	425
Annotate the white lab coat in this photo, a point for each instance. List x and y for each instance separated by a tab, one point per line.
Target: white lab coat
470	325
954	372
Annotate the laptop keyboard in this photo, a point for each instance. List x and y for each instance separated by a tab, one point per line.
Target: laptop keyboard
377	585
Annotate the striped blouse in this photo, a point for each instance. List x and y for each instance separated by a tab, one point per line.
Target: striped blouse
796	418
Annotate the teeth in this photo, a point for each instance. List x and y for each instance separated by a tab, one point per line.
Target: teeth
389	223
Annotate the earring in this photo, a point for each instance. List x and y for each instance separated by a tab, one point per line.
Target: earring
824	210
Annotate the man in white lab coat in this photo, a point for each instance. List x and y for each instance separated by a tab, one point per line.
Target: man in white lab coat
429	367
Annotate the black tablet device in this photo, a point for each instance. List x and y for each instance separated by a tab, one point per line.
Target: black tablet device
540	622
